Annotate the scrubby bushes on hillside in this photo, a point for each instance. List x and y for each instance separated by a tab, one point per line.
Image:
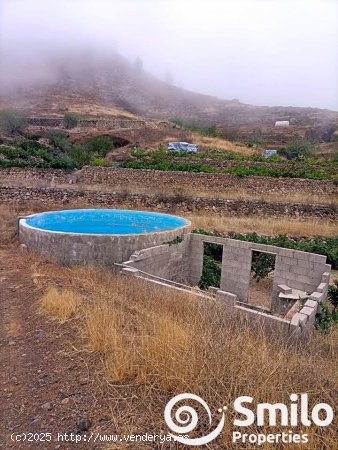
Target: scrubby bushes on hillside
70	120
61	154
206	130
12	121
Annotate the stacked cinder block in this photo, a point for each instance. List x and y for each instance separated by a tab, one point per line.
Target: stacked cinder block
307	315
165	261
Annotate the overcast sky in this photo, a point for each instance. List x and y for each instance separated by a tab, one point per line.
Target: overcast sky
264	52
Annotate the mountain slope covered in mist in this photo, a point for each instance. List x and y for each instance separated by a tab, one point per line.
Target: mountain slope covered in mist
114	84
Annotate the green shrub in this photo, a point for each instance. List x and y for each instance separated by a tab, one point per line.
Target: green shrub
58	139
262	264
70	120
263	171
80	155
333	294
12	121
301	148
320	245
211	274
326	318
33	154
206	130
100	145
99	162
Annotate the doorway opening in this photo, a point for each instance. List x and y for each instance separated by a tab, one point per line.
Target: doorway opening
212	266
261	279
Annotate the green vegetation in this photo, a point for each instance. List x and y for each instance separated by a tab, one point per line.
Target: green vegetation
12	121
167	165
321	245
292	172
199	162
211	274
300	149
61	154
328	316
33	154
262	264
333	294
58	139
70	120
100	145
175	241
205	130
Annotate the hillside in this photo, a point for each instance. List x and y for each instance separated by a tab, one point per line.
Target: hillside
100	86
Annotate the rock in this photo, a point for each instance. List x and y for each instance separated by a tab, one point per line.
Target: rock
47	406
83	425
65	401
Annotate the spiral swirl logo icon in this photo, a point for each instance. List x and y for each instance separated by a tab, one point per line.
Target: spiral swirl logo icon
187	418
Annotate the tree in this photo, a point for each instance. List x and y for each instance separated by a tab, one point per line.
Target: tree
12	121
70	121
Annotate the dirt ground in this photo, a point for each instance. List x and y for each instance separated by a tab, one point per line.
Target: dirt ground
260	292
50	383
45	385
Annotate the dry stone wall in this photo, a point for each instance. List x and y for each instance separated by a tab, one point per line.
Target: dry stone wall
98	199
203	181
155	178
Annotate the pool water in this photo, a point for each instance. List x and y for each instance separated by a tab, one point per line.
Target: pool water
104	221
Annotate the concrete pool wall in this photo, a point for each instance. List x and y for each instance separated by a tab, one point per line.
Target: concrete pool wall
92	249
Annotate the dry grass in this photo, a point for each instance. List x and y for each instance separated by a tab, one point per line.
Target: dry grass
8	215
164	343
61	304
265	226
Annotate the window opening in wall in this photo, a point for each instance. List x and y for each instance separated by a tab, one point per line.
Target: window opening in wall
261	279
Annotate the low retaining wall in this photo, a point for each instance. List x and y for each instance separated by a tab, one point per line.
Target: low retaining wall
203	181
167	204
194	181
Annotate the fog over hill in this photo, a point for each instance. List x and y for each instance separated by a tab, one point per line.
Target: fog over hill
138	56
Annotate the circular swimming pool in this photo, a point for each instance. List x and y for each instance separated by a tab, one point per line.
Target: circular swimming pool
97	236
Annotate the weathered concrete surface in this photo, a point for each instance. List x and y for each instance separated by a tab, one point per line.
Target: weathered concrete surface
294	269
168	261
92	249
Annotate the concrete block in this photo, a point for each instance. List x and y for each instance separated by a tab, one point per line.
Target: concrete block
288	296
306	310
303	319
213	290
228	298
322	287
285	252
311	304
285	289
311	313
325	277
317	296
130	271
295	321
